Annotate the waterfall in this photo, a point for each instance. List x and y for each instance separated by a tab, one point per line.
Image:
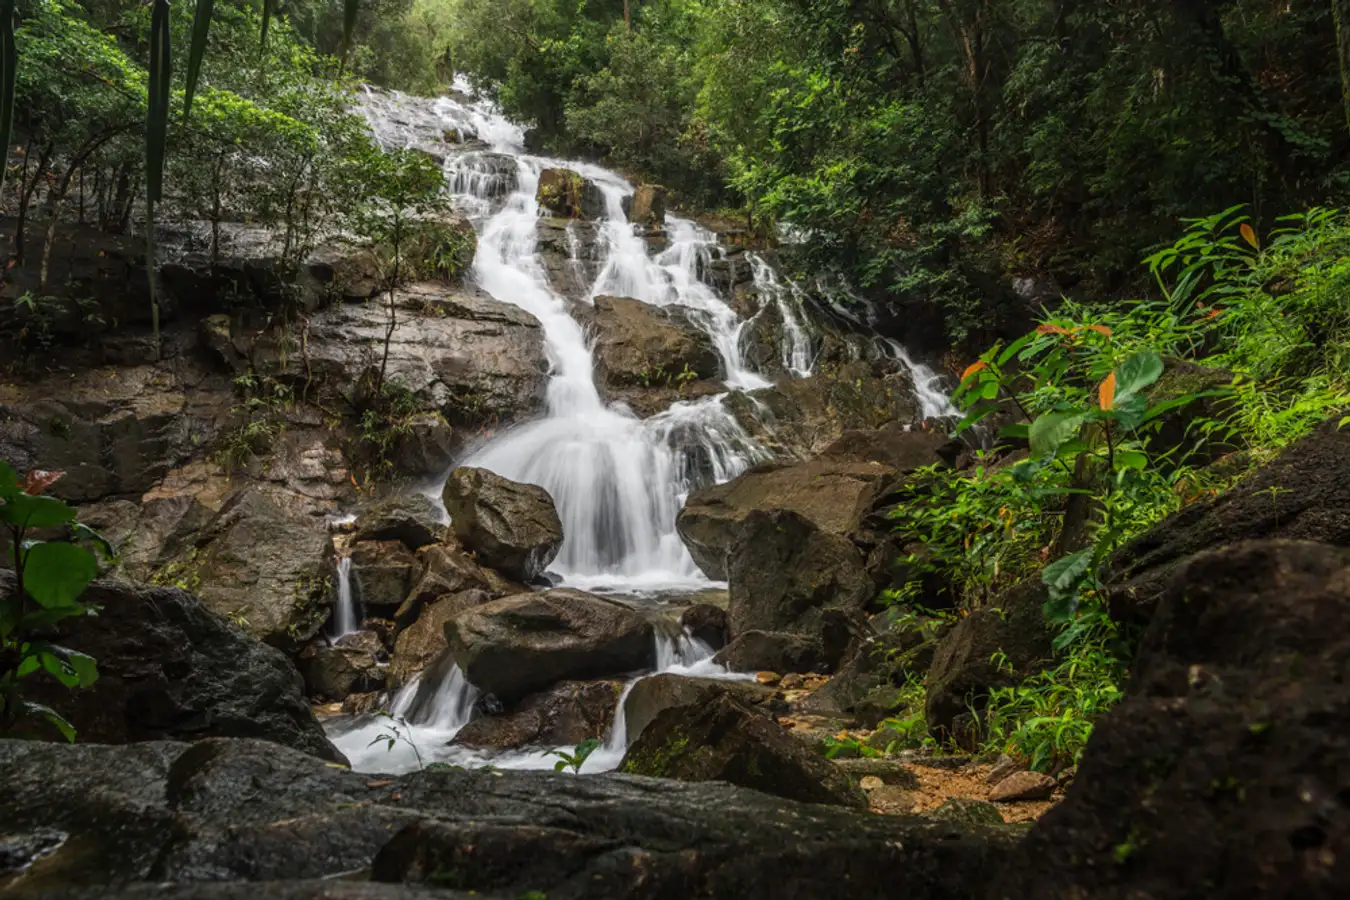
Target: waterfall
934	400
618	481
346	610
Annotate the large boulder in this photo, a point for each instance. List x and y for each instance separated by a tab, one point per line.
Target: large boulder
353	664
1304	494
836	496
509	526
722	740
995	646
654	695
800	417
169	668
564	715
412	519
568	195
244	819
519	645
264	562
1225	772
869	682
383	573
788	575
774	651
638	344
455	350
418	645
647	207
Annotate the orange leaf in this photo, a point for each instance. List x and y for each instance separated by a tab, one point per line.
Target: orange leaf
1214	314
973	368
1100	329
37	481
1249	235
1052	329
1106	393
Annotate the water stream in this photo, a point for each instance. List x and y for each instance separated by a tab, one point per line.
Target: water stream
618	481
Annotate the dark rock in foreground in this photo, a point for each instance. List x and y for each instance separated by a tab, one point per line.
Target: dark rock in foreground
1304	494
722	740
1226	771
232	811
169	668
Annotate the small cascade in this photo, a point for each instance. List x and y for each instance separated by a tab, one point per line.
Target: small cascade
346	609
929	387
798	351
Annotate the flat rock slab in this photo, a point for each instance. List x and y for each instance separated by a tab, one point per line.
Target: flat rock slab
225	811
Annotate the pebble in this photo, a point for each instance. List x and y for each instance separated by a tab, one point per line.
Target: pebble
871	783
1023	786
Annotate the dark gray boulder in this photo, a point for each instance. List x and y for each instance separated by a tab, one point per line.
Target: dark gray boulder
226	812
169	668
412	519
519	645
512	527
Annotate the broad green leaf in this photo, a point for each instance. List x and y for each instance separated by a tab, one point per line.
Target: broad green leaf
9	481
25	511
201	29
9	68
1136	373
56	574
1131	459
1050	430
85	534
1015	431
1015	347
70	667
27	666
37	710
1064	574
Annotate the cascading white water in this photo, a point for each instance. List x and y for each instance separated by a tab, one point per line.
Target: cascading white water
798	354
618	481
346	610
929	388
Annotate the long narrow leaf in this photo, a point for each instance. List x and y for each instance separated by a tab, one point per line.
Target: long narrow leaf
350	10
156	139
267	21
9	67
201	27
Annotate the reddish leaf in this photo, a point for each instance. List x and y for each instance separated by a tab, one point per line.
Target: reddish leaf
1100	329
1106	392
1249	235
37	481
973	368
1214	314
1052	329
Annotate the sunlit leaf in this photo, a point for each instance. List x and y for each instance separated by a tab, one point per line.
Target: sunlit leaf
974	368
1136	373
201	28
1051	430
1106	392
55	574
1249	235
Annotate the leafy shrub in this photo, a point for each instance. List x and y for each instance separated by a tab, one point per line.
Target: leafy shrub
49	577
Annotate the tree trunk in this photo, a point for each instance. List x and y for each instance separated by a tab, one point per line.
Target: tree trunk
1340	14
627	19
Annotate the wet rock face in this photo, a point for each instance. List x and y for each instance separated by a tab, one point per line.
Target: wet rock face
722	740
519	645
639	345
169	668
647	207
564	715
113	432
789	576
566	194
1226	770
264	561
350	665
652	696
412	519
835	496
211	816
964	670
511	527
1304	494
421	643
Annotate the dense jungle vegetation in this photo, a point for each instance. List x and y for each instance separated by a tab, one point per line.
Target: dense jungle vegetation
1176	169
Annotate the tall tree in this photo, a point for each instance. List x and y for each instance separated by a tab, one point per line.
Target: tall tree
1340	14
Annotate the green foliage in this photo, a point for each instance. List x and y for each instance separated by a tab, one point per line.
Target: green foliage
49	577
261	417
576	759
